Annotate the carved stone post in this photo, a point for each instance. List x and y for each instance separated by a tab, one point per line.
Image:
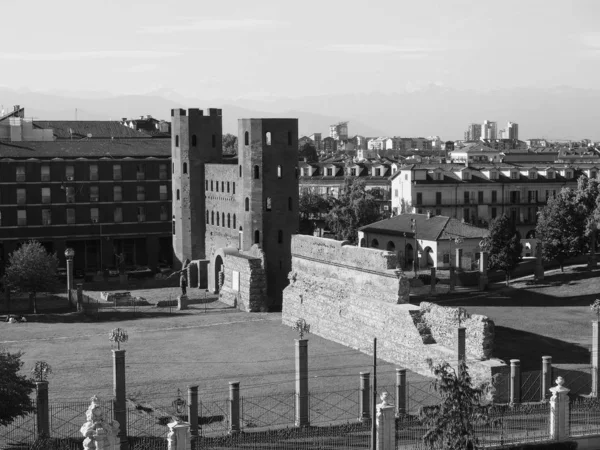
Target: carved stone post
459	253
595	359
559	411
401	389
179	436
193	410
99	434
234	407
515	381
302	419
364	402
539	264
546	377
386	424
41	400
182	302
432	289
483	276
119	410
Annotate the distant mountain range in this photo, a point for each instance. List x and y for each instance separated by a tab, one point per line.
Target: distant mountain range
558	113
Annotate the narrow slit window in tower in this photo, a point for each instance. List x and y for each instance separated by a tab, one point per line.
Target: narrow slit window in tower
194	141
279	171
268	204
177	194
176	140
218	223
212	217
280	236
228	220
234	221
207	217
184	167
257	237
223	218
268	138
246	138
247	204
256	172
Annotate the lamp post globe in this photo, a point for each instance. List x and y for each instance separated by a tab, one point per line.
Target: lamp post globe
69	253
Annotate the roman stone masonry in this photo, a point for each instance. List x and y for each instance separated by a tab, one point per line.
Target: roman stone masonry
352	294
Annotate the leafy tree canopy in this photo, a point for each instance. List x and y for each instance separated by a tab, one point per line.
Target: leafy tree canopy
230	144
311	207
308	151
15	389
587	196
355	207
504	246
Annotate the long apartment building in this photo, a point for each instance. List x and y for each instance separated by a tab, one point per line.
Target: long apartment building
479	193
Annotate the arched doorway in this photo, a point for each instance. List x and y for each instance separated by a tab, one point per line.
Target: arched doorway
428	257
408	255
374	243
219	274
391	247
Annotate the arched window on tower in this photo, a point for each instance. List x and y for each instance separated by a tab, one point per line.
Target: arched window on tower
228	220
173	167
207	217
233	192
280	236
268	138
256	172
218	222
234	221
217	183
296	171
268	204
223	219
222	186
257	237
194	140
212	217
246	138
176	140
290	204
214	140
240	170
247	204
177	194
279	171
207	185
228	187
184	167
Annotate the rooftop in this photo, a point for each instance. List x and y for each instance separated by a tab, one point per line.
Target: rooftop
98	129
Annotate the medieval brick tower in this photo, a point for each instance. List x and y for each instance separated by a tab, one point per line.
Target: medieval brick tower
268	204
196	140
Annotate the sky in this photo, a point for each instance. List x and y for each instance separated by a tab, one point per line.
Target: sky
261	49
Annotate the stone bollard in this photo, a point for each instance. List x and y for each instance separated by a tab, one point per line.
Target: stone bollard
302	419
401	391
99	434
364	400
41	400
234	407
515	381
483	276
595	359
452	279
193	410
386	424
179	436
182	302
460	344
559	411
546	377
432	283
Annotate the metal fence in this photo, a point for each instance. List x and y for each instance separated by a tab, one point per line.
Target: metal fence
333	407
584	417
267	410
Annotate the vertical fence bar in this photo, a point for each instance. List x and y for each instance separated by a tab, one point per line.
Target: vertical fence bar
546	377
234	407
515	381
365	397
302	407
193	411
401	391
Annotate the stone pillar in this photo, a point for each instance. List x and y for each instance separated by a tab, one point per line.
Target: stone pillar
559	411
41	400
69	275
79	297
401	391
119	408
179	436
460	344
432	290
193	410
483	276
386	424
302	419
539	264
595	359
515	381
182	302
403	288
452	279
234	407
459	258
364	399
546	377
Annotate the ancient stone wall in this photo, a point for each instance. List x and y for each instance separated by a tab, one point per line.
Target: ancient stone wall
351	295
244	282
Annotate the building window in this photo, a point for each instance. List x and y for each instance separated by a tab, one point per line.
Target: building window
228	187
176	140
593	174
46	217
162	172
438	197
177	194
184	167
222	186
280	237
247	204
218	220
141	214
568	174
173	228
228	220
141	193
45	175
246	142
20	173
446	258
353	172
268	204
256	172
212	186
419	198
257	237
214	140
480	197
117	194
21	217
162	192
70	173
212	218
268	138
207	217
233	188
118	214
466	197
514	175
117	174
70	194
289	138
515	197
70	215
240	171
494	196
140	172
278	171
217	186
494	213
21	197
94	215
93	172
329	172
46	195
466	214
194	141
550	175
163	212
234	221
290	204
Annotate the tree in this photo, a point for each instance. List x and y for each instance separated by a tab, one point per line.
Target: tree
451	424
310	207
15	389
32	269
308	151
504	246
561	227
355	207
230	144
587	196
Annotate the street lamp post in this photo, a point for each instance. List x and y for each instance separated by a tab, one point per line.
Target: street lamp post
413	226
69	254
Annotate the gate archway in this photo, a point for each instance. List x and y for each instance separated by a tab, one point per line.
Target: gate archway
219	274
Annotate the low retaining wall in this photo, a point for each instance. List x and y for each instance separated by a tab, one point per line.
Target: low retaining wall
244	282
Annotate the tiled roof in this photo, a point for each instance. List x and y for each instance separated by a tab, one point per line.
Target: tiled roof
99	129
87	148
432	229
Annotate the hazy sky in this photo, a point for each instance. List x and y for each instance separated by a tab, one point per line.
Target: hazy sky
229	49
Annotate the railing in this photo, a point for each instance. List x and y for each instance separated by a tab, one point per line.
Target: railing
584	417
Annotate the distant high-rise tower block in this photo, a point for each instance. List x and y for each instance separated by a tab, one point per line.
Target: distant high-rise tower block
473	133
339	131
489	130
512	130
